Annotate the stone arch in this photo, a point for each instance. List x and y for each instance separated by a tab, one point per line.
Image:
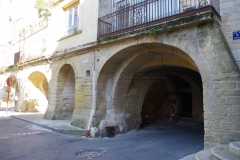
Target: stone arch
34	93
65	93
43	69
66	62
192	53
115	78
39	80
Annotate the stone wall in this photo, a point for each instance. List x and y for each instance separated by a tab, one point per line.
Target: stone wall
229	11
209	55
70	80
65	93
118	62
29	89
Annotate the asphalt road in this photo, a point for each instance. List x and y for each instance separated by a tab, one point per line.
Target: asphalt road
21	140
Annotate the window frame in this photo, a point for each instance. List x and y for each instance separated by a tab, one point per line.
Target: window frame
72	12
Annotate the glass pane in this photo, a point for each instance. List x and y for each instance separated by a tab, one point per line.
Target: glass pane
75	16
75	21
70	20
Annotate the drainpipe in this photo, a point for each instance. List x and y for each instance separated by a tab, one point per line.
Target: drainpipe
93	94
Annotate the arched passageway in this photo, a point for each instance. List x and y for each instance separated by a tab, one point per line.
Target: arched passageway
175	96
39	80
35	93
65	96
140	80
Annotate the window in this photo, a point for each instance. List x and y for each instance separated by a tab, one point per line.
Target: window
88	73
72	19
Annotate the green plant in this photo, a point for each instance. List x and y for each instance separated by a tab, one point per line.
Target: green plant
15	66
98	123
40	5
153	31
3	70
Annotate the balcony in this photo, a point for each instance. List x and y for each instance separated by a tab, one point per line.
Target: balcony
137	14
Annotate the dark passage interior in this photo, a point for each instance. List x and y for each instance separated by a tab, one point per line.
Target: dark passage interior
177	96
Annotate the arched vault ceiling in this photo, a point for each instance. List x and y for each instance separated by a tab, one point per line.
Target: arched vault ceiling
140	57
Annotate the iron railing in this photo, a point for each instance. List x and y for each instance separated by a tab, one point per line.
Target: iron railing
134	14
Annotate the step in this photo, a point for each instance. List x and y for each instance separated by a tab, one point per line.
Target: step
221	152
190	157
234	148
204	155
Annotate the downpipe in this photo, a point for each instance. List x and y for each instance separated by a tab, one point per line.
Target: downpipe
93	98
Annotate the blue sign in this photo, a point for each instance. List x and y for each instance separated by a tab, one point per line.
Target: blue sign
236	35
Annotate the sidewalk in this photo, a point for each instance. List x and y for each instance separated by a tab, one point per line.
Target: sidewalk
62	126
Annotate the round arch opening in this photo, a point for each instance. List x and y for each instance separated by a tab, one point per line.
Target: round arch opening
35	93
123	86
176	96
65	94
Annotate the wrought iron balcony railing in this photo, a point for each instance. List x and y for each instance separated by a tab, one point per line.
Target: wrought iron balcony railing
135	14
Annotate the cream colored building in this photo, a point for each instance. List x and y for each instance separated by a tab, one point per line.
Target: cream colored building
125	63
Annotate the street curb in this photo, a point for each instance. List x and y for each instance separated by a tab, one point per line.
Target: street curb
74	132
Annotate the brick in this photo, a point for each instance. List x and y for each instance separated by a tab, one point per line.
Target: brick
208	145
208	49
224	85
236	108
228	126
222	109
226	140
215	117
218	69
233	100
220	77
215	62
233	134
237	126
219	132
230	92
212	139
218	125
219	100
207	108
203	34
209	124
233	118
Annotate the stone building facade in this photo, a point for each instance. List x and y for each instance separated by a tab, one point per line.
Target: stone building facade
121	70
